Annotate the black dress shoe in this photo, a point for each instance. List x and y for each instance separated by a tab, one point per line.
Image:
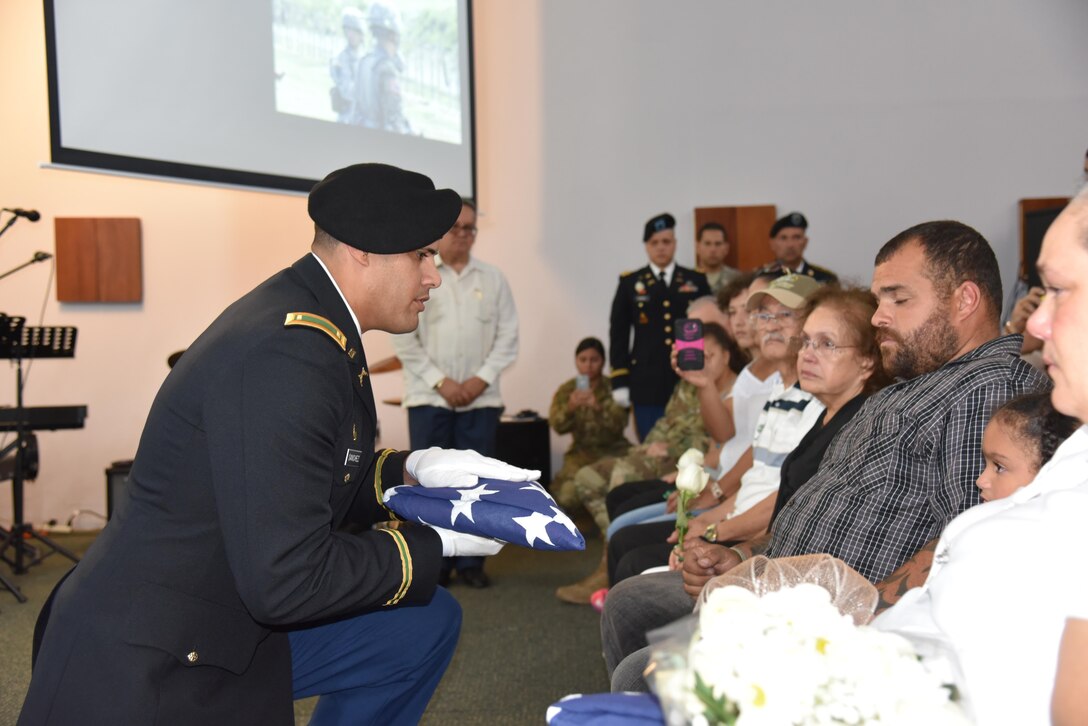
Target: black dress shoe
474	577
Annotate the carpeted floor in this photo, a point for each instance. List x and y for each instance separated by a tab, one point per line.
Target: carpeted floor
520	649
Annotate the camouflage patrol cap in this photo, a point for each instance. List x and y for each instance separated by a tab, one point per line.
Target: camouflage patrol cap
658	224
793	219
790	290
382	209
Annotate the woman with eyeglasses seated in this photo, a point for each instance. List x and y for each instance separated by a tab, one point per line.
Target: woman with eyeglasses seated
838	362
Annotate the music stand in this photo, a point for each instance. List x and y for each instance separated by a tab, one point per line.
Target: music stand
19	342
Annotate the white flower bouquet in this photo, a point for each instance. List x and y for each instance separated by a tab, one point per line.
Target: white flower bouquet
784	642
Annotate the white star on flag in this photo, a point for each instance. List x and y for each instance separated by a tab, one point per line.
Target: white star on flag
468	497
562	518
535	526
514	512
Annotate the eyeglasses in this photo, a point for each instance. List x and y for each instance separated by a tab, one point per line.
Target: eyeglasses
783	317
822	347
463	229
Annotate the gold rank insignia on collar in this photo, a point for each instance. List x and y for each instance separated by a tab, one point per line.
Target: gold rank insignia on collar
317	322
362	375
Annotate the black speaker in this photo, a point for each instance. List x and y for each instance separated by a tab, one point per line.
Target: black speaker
525	441
116	479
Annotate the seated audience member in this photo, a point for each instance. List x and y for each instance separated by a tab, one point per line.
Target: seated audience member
840	315
680	429
906	464
639	501
1069	706
1006	576
1022	436
583	407
1018	321
788	414
711	249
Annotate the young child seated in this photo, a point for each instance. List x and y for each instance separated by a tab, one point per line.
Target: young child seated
1021	436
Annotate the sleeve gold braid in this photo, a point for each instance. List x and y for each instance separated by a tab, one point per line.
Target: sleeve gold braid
378	481
405	564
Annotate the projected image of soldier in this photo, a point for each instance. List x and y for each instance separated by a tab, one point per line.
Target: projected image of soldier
378	102
343	67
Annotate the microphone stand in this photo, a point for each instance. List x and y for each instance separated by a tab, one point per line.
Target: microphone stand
8	224
32	260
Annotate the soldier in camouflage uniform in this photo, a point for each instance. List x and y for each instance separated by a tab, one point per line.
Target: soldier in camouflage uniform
342	68
680	429
591	415
378	102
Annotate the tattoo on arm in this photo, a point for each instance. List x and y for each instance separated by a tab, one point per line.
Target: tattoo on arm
911	574
758	545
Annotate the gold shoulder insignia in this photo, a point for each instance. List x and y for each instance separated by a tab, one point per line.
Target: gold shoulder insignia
317	322
625	274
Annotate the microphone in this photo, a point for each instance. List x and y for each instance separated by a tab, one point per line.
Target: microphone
29	214
41	256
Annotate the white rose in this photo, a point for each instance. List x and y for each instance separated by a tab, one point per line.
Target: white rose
691	456
692	478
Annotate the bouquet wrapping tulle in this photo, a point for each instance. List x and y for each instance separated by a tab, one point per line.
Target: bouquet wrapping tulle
785	641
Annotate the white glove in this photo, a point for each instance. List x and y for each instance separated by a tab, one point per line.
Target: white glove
435	467
459	544
622	396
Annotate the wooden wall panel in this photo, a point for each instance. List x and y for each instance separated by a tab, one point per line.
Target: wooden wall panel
99	259
748	228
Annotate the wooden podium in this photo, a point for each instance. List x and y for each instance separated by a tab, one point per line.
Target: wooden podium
748	228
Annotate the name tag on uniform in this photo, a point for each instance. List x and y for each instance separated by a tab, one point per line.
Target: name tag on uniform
354	457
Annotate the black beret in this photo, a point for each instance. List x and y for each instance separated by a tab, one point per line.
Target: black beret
658	224
382	209
793	219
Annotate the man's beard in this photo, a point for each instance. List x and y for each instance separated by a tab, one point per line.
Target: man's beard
924	350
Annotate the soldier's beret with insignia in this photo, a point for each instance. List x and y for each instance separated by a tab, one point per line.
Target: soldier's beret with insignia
793	219
382	209
658	224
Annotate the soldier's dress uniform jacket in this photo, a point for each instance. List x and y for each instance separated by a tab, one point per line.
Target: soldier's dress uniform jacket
651	309
247	512
821	275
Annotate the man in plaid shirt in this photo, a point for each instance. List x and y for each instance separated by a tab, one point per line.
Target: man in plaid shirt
906	464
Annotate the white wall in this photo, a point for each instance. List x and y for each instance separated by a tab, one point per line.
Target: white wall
592	116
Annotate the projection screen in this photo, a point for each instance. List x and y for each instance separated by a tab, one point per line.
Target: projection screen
264	93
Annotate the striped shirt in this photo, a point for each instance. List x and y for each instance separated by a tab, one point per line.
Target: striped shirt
905	465
786	418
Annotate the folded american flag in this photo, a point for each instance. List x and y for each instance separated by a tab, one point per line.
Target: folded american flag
520	513
606	709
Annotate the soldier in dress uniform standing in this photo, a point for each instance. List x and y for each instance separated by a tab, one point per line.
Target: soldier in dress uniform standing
788	242
650	300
